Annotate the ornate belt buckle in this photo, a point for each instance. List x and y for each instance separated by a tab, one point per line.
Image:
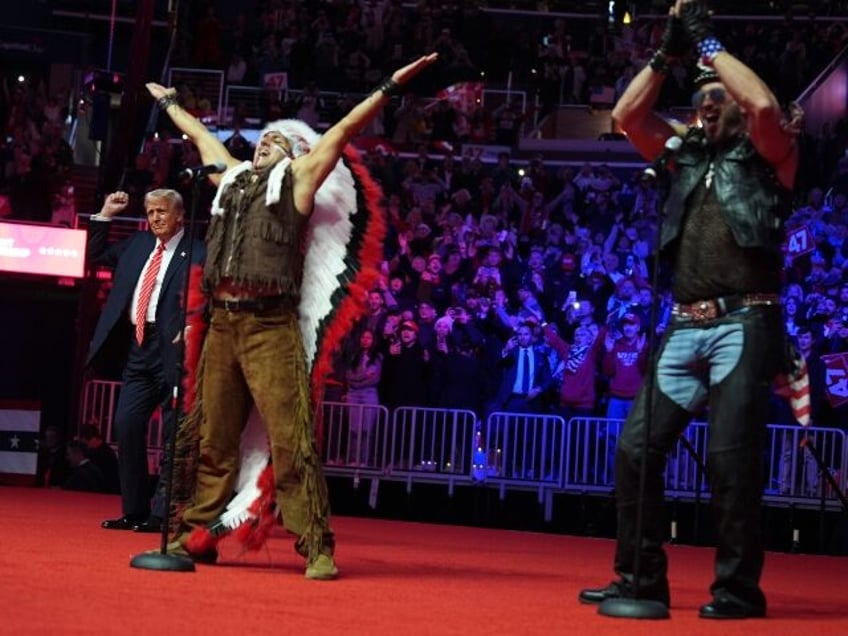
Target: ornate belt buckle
704	310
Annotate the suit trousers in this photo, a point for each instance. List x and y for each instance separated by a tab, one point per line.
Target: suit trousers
144	388
258	358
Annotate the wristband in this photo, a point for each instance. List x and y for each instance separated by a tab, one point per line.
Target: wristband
388	87
708	48
167	100
659	63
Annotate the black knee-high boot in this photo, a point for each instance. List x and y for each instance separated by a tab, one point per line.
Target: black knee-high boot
736	480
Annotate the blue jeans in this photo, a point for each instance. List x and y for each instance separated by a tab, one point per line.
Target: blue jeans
726	364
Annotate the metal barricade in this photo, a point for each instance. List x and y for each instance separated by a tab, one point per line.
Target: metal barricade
792	476
100	397
792	469
590	456
355	436
524	448
589	453
430	441
521	451
685	469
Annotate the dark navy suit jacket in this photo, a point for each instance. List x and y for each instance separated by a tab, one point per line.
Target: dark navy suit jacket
127	258
541	374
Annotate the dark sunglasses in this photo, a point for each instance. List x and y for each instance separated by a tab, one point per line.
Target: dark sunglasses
717	95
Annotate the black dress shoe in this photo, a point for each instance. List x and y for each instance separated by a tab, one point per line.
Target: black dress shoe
619	589
599	595
127	522
725	608
153	524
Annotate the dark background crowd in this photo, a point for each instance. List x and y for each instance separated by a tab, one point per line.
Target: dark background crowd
480	254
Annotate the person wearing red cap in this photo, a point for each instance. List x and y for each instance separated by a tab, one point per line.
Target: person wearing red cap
624	364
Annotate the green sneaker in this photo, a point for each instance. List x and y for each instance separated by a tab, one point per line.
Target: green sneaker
322	568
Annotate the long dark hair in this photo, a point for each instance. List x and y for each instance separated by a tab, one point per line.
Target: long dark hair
370	354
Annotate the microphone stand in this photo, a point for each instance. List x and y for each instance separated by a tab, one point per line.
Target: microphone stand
162	560
627	607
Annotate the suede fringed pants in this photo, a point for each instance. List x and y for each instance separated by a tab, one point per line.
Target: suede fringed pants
726	365
258	358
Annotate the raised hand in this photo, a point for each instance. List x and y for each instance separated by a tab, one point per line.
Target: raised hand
403	75
114	204
675	41
157	91
696	19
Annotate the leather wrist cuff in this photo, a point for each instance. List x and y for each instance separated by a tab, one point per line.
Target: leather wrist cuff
167	100
388	87
659	63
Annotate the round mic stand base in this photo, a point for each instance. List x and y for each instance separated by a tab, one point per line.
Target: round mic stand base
162	561
633	608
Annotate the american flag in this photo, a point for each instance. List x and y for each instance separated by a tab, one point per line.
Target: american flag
464	96
795	387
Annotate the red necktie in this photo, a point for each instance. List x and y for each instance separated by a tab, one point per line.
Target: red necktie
147	285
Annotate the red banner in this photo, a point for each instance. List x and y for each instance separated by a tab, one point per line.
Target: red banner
836	378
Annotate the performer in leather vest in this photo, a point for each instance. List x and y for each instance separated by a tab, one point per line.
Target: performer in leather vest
255	353
729	192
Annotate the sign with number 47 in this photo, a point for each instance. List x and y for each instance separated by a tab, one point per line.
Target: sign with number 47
799	242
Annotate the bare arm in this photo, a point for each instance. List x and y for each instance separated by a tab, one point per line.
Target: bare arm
634	113
764	115
310	170
211	149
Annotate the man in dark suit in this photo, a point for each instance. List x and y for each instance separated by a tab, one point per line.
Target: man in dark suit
526	378
526	374
143	320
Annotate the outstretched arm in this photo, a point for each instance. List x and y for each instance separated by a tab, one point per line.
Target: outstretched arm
310	170
210	147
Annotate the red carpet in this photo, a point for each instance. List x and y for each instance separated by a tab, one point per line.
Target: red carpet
60	573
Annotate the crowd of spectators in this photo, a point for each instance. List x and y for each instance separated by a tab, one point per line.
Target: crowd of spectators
36	159
477	253
480	257
347	47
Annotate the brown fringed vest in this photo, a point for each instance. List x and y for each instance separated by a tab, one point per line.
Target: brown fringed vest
254	245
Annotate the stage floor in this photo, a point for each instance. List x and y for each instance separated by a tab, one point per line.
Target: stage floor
61	573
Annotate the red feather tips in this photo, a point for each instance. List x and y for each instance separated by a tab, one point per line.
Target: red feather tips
253	533
354	305
194	335
201	541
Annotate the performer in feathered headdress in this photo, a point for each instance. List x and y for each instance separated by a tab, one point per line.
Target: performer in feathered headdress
290	253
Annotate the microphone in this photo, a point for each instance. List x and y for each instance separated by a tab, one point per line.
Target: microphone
192	174
672	146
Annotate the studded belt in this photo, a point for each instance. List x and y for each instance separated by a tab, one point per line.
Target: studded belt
704	310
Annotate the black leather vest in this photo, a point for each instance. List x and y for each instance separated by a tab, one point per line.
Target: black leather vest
752	200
